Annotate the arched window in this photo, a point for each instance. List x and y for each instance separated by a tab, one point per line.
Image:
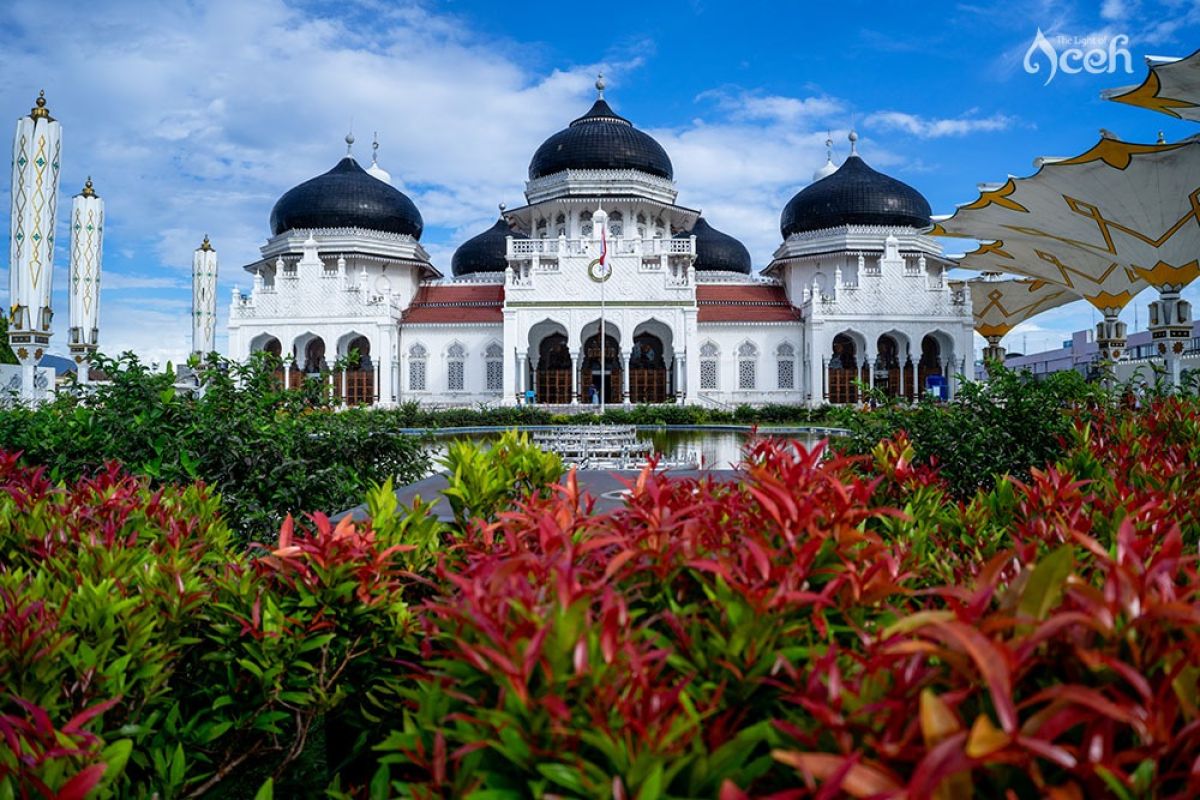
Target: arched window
560	224
493	364
747	365
708	366
456	367
785	356
541	228
416	368
585	223
616	223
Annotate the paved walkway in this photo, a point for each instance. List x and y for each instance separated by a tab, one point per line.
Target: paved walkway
604	485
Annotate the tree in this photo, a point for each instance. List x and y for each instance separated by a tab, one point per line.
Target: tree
7	356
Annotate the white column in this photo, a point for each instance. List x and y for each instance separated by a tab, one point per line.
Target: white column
509	392
575	378
37	150
523	365
204	298
825	379
83	289
375	398
680	379
623	360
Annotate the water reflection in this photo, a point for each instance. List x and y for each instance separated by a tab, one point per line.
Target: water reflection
718	449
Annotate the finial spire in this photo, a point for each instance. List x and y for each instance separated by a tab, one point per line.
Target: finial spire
853	142
828	146
206	245
88	189
502	207
600	86
349	143
375	150
39	110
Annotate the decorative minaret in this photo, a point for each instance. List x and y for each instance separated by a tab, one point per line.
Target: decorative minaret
37	147
204	299
87	248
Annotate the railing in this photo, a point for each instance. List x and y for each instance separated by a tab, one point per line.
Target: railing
715	402
620	246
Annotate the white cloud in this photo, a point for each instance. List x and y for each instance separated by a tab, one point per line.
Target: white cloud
936	128
194	118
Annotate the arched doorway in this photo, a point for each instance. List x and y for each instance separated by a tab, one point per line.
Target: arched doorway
554	370
844	370
607	378
647	370
358	378
889	377
314	357
931	361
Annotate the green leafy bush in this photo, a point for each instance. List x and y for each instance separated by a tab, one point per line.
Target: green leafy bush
482	483
268	452
1006	426
135	638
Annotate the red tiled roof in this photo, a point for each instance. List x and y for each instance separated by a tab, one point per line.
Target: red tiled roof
462	303
744	303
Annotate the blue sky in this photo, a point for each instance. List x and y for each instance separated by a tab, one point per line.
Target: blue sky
194	117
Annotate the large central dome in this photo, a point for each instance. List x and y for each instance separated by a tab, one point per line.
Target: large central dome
854	195
600	139
346	197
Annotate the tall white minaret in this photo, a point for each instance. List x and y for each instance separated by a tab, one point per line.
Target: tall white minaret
37	147
204	299
87	249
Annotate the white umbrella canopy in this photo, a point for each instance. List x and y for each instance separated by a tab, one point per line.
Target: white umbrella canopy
1135	206
1001	305
1097	278
1172	87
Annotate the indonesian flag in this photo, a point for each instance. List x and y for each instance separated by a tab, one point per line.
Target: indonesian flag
603	245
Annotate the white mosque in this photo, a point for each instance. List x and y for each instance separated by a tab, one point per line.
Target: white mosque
344	289
599	286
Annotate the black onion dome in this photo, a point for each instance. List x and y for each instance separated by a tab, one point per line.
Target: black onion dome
854	195
717	251
600	139
346	197
485	252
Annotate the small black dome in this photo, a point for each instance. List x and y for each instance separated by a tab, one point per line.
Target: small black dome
485	252
854	195
346	197
717	251
600	139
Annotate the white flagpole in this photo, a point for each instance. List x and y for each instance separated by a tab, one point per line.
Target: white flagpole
603	363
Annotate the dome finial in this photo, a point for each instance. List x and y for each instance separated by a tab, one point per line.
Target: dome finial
88	190
349	143
39	110
600	86
206	245
502	207
853	142
375	149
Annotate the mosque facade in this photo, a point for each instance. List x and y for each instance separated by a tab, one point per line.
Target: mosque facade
601	287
